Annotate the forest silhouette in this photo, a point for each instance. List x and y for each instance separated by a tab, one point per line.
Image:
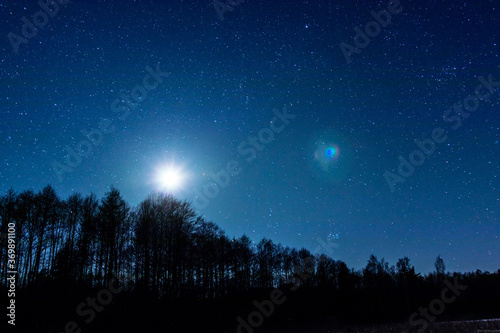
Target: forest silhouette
168	268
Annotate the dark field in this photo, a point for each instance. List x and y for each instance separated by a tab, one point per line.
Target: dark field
479	326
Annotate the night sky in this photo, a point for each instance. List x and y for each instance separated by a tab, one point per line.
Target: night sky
304	132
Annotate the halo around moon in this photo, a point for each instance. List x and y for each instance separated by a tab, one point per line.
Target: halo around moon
169	178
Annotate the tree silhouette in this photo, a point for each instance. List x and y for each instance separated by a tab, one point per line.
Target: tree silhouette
440	267
162	251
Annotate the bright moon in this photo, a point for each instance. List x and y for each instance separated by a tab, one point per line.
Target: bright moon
170	178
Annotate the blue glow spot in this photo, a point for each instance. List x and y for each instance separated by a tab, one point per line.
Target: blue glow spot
331	152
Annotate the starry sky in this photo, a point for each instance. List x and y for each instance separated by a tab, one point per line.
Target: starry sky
298	122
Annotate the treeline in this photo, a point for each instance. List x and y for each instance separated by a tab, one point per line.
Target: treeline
163	250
